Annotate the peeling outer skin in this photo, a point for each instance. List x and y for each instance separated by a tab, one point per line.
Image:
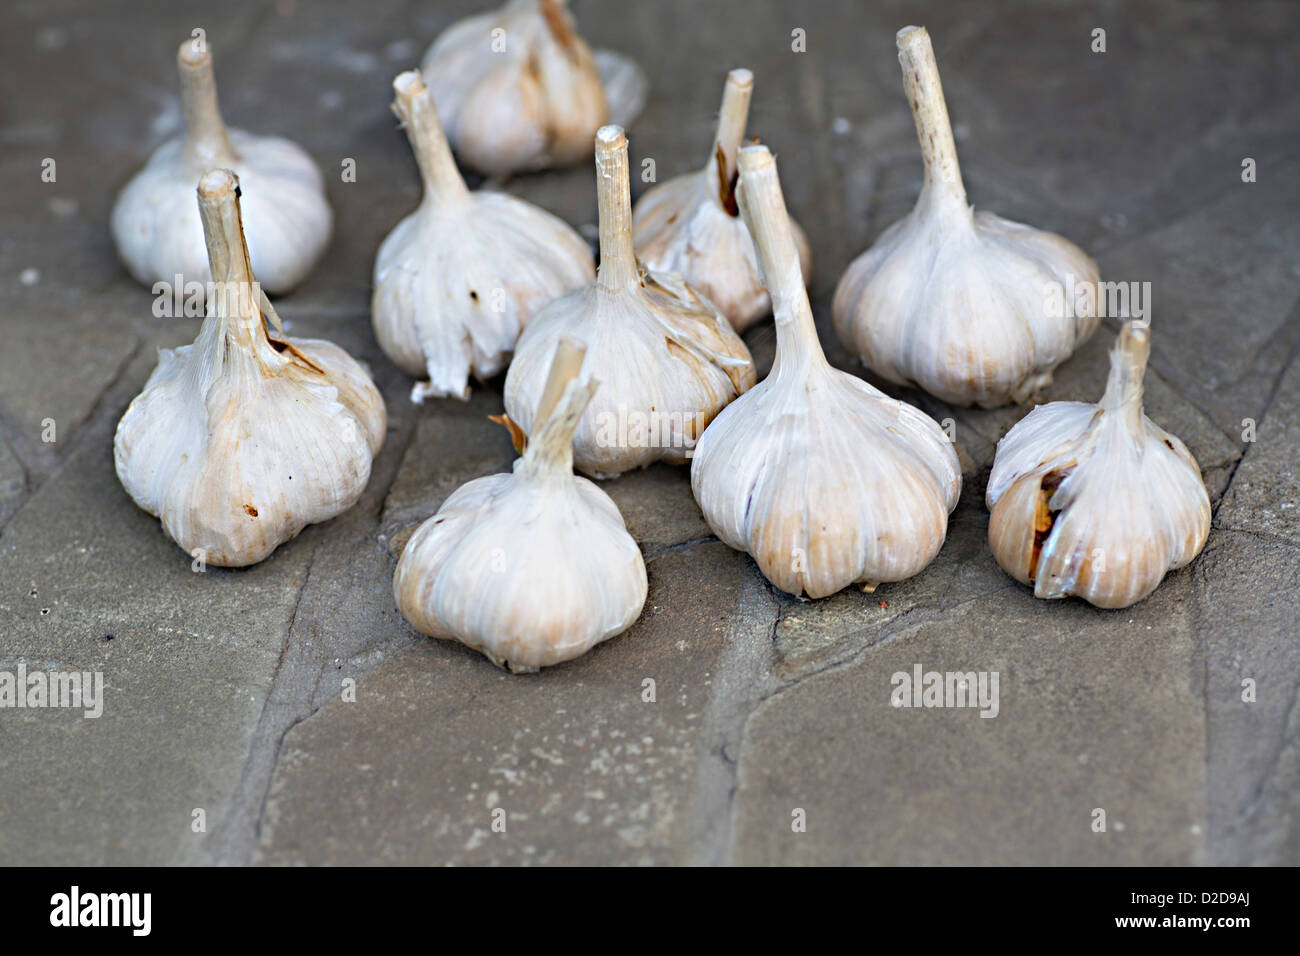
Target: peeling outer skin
1103	515
658	324
680	228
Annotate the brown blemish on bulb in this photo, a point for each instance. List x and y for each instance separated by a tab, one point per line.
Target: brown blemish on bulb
250	511
727	183
1044	516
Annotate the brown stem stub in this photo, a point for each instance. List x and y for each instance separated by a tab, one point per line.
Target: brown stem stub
727	184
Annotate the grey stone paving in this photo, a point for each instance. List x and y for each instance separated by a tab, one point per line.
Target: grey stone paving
225	690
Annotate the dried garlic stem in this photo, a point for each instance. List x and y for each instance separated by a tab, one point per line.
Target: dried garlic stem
569	353
1128	365
614	200
732	120
550	449
933	128
414	107
763	206
234	299
208	142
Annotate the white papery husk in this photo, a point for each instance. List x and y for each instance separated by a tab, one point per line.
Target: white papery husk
535	103
155	223
821	478
1096	501
530	568
970	307
457	280
667	359
240	440
656	347
692	226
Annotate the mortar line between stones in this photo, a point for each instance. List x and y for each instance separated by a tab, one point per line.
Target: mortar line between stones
33	481
228	848
1263	415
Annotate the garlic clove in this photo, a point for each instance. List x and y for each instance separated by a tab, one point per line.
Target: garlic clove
1097	501
957	302
530	568
241	440
821	478
156	226
457	279
518	88
668	361
692	225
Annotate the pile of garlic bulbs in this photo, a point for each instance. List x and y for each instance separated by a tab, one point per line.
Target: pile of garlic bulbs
241	439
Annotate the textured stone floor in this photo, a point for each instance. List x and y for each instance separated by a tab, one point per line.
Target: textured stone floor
223	689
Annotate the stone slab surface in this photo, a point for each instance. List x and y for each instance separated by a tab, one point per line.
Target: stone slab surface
733	724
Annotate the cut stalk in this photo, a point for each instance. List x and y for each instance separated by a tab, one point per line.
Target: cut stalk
413	104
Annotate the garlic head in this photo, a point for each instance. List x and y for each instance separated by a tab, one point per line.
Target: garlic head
821	478
517	88
667	361
156	226
457	279
530	568
1097	501
691	224
241	440
960	303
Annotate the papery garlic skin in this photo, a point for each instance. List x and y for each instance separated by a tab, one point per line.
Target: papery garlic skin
239	441
691	224
517	89
530	568
958	303
821	478
665	357
458	279
156	226
1097	501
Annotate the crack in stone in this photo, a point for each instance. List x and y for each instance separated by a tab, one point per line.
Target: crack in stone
1263	415
236	841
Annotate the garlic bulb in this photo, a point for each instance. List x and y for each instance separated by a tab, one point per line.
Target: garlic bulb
1097	500
241	440
517	88
959	303
820	477
457	279
530	568
669	362
156	227
692	225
